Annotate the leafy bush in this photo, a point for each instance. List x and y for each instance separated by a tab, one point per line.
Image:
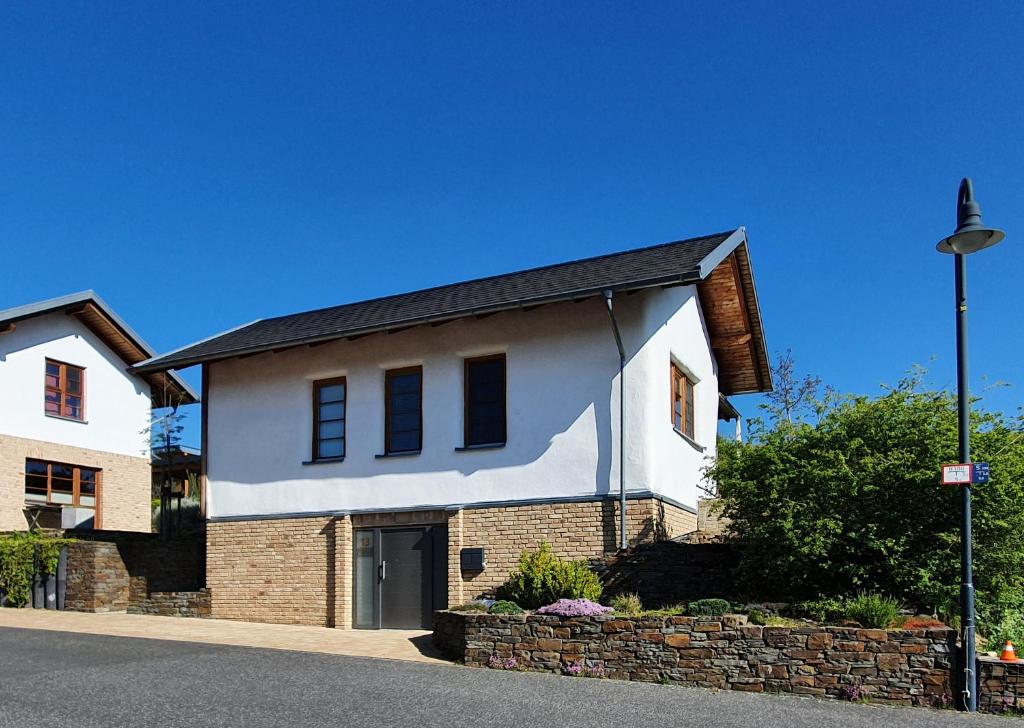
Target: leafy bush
574	608
708	607
543	578
628	604
1010	627
469	607
18	562
831	610
503	606
847	497
872	610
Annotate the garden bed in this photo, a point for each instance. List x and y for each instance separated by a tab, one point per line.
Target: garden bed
910	667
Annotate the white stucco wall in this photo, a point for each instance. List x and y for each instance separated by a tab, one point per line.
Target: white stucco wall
117	405
562	380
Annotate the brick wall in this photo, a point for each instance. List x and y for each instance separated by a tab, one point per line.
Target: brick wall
282	571
576	530
910	667
125	499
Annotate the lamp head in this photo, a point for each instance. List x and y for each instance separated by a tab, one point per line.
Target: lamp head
971	235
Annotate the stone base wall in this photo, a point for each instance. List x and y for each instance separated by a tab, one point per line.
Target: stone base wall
174	604
112	575
576	530
124	494
910	667
1002	686
281	571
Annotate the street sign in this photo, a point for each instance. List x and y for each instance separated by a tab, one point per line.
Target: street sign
982	473
959	474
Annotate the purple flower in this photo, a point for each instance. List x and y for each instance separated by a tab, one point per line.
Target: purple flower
497	662
574	608
574	668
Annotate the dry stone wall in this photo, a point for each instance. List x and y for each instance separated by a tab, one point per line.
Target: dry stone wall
910	667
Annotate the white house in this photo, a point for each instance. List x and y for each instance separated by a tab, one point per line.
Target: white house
368	462
72	416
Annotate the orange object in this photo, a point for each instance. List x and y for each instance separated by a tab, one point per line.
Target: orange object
1009	654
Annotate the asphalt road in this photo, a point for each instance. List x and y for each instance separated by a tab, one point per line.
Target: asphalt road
65	679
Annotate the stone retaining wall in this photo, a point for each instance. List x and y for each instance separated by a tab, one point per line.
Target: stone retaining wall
1002	686
910	667
174	604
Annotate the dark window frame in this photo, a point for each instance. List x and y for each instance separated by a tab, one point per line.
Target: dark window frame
466	399
389	376
318	385
684	422
76	486
62	390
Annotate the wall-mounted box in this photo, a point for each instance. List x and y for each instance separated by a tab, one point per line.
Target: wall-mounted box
473	559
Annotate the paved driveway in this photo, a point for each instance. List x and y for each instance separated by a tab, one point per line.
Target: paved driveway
53	678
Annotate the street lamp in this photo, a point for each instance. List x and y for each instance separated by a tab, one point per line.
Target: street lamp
970	237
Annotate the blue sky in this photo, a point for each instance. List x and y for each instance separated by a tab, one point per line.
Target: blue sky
204	166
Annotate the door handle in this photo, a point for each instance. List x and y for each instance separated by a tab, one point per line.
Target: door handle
383	570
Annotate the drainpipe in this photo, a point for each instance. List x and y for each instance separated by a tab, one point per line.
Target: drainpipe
623	541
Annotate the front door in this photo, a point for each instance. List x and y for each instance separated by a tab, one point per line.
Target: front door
400	576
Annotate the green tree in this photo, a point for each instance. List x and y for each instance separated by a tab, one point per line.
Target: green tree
853	500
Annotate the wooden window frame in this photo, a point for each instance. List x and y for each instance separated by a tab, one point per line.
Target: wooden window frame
76	487
317	386
389	375
62	390
688	420
467	363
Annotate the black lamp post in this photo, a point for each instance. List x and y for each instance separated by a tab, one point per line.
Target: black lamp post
970	237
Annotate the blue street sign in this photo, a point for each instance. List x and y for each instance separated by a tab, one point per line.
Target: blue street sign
982	472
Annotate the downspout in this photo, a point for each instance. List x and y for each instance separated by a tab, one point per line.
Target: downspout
623	540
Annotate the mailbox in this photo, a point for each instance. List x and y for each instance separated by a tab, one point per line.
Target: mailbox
473	559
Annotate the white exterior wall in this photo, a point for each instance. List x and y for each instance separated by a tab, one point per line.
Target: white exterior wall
117	404
680	336
562	379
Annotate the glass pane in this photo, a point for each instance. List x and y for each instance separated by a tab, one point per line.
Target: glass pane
366	579
332	448
332	412
37	467
331	430
61	485
401	403
87	501
405	383
53	380
61	498
35	485
405	422
405	441
332	393
74	380
73	407
63	471
52	370
52	402
87	482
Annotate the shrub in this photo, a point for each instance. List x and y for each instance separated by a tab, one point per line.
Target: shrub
503	606
543	578
1010	627
830	610
469	607
574	608
628	604
872	610
18	562
708	607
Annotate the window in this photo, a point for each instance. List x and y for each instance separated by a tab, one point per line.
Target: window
329	397
403	410
682	402
485	401
65	390
61	484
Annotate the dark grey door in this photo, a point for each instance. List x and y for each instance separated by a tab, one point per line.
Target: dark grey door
406	576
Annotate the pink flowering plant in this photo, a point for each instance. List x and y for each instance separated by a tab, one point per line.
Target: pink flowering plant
578	669
497	662
574	608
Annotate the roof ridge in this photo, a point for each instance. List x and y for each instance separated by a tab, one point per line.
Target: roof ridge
489	278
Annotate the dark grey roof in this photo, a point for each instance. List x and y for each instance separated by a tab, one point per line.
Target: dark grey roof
682	261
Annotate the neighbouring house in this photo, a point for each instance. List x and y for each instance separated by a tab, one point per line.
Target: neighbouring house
72	417
366	463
